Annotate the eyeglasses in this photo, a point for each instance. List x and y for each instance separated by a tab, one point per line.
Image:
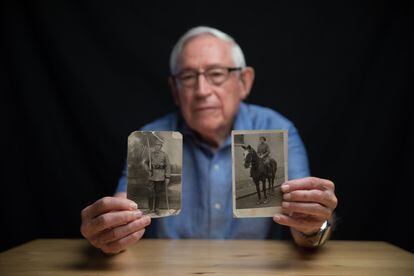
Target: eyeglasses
214	76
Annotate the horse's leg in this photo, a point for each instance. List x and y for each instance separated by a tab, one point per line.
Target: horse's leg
271	188
272	178
257	183
269	176
264	188
265	174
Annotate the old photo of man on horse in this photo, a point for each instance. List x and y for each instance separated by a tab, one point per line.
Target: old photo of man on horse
259	168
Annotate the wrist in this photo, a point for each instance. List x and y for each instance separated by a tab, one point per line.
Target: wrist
315	239
310	233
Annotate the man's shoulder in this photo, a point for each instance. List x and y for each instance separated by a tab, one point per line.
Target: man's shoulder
265	117
165	123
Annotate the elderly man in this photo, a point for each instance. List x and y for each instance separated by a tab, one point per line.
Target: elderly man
209	82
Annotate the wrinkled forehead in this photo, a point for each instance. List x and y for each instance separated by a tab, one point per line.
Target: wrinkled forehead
205	51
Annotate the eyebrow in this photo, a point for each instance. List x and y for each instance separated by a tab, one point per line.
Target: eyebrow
211	66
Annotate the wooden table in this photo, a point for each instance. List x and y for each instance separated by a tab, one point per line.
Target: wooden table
207	257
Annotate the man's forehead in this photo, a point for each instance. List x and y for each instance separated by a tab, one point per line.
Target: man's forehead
204	51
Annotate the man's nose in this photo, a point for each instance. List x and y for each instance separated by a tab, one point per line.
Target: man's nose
203	87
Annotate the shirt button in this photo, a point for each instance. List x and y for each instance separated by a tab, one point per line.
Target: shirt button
216	167
217	206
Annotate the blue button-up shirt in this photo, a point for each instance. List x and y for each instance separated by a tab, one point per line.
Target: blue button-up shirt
207	179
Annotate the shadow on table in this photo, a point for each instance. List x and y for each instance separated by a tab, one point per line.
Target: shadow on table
294	258
94	259
307	254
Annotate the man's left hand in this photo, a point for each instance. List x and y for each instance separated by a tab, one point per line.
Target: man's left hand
307	204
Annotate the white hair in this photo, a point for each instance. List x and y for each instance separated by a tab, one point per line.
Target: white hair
236	51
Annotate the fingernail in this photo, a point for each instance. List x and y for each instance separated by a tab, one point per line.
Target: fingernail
285	204
138	213
287	196
277	217
285	188
133	205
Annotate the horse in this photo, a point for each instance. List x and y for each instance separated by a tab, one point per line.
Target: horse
260	172
271	173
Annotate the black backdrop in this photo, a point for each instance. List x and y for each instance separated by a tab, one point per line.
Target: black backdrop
78	76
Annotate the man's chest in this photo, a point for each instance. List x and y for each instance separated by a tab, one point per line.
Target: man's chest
158	157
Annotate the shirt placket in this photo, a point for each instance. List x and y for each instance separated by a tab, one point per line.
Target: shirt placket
219	219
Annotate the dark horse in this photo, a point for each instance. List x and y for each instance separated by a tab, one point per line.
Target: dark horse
259	171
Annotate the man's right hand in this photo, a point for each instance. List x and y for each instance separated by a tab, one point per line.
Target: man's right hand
113	223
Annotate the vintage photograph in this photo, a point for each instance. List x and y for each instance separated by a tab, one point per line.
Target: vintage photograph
259	169
154	171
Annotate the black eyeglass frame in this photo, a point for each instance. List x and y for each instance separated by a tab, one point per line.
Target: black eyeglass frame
176	77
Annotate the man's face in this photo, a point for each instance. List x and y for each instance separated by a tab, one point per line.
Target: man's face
158	147
262	140
205	107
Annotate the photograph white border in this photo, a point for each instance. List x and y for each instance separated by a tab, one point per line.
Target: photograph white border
260	211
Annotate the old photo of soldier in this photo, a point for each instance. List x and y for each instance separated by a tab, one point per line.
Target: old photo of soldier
154	171
259	169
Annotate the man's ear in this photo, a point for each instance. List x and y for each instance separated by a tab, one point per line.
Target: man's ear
174	91
247	79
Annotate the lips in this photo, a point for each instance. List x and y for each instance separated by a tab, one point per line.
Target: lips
205	108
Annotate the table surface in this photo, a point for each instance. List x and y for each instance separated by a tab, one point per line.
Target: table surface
207	257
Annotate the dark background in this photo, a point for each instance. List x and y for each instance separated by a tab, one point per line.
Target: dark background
78	76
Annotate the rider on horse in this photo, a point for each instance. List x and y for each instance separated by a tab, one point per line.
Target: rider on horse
263	150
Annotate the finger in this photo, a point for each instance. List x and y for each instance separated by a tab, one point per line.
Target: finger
325	198
313	209
108	204
308	183
298	215
111	220
120	232
301	224
119	245
120	194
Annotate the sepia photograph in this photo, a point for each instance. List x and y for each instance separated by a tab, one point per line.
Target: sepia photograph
259	169
154	172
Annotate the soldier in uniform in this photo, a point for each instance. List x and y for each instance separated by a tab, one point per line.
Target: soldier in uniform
160	170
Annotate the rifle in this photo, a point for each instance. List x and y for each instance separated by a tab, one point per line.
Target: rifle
149	157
